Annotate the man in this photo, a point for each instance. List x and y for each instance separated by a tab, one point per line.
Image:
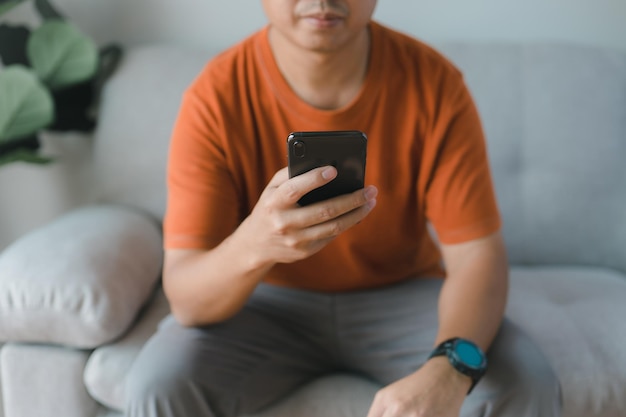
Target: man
267	295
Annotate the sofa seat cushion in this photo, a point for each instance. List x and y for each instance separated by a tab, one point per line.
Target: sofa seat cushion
80	280
576	315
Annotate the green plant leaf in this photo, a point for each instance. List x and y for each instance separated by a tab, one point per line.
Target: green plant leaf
61	55
46	10
25	104
6	5
24	155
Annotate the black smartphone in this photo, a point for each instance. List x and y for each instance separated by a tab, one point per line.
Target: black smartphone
346	150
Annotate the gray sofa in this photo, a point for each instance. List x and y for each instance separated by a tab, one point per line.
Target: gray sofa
80	296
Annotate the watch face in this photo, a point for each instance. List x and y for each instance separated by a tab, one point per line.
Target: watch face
469	354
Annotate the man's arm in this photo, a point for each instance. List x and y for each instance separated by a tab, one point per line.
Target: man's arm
209	286
473	297
471	305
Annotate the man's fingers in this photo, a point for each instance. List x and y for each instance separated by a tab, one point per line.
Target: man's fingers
375	409
291	190
328	210
280	177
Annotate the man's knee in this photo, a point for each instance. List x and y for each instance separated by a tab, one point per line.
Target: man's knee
154	389
167	380
148	383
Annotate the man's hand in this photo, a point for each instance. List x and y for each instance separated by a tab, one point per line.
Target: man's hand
206	287
435	390
280	231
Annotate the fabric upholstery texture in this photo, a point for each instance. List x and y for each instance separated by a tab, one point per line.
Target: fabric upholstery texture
139	106
41	381
576	315
107	412
80	280
105	373
555	119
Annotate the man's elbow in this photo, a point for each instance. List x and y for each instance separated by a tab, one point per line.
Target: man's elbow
195	316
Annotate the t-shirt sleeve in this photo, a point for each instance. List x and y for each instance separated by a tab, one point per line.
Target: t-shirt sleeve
460	197
202	202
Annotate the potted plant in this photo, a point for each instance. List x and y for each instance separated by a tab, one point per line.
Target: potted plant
51	79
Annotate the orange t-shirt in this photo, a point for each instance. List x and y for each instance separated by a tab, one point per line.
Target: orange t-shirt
426	154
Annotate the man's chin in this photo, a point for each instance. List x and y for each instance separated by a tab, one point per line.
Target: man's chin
322	43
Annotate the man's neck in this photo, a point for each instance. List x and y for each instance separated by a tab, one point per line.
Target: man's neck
325	80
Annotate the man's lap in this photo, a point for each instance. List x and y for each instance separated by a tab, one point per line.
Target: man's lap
283	338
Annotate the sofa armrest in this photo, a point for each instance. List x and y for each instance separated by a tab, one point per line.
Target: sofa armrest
81	280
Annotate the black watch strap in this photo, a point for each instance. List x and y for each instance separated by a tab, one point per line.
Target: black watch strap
447	348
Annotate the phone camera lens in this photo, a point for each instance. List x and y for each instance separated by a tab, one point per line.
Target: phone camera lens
299	149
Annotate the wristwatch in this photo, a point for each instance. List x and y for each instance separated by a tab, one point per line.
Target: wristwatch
465	356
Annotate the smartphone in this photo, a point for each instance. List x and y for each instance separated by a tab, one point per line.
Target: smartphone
346	150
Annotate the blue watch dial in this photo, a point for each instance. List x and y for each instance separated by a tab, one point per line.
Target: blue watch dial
468	354
465	356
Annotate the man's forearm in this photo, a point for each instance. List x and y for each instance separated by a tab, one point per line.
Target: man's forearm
474	293
205	287
471	306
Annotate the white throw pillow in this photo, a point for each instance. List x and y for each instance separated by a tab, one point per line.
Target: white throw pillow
81	280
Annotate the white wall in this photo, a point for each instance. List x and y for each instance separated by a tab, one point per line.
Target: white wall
32	196
595	22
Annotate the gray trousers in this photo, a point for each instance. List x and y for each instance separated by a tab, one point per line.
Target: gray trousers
284	338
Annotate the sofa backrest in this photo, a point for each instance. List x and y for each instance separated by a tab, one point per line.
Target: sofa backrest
555	118
138	107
